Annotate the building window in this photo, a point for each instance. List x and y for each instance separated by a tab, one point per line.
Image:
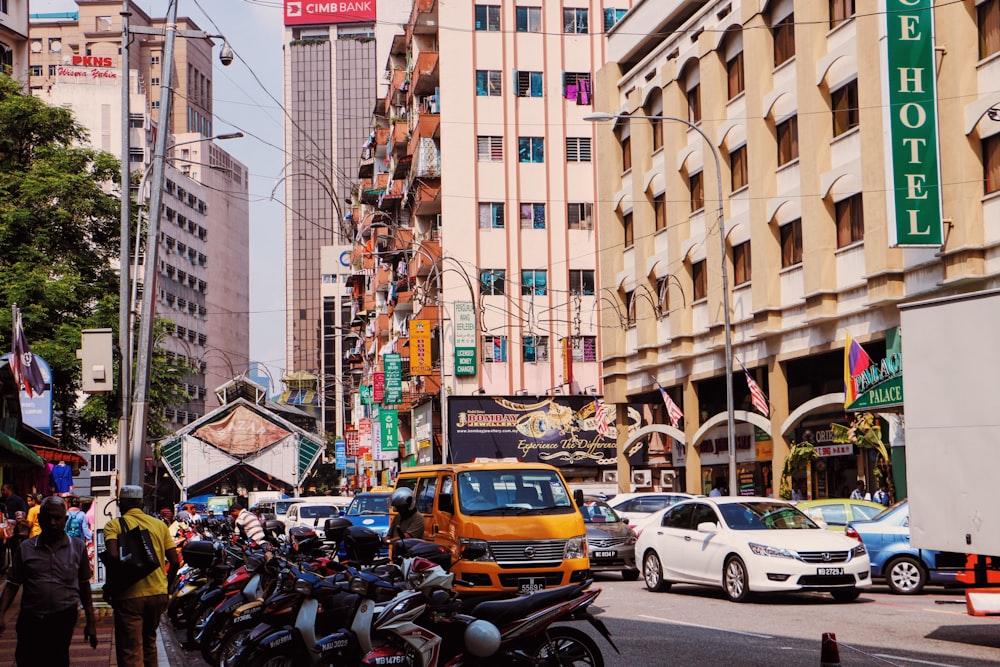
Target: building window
788	140
488	83
154	60
989	27
491	215
630	308
576	21
629	230
531	149
578	149
154	81
53	70
738	167
784	39
532	216
155	104
580	215
840	11
529	19
136	155
844	101
850	215
527	84
534	282
660	211
741	263
492	282
489	149
696	187
584	348
35	70
656	125
488	17
626	144
102	462
693	95
663	294
535	349
577	87
612	16
791	243
991	163
734	75
494	349
699	280
581	281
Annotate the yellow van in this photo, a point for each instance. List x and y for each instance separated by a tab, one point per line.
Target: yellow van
522	514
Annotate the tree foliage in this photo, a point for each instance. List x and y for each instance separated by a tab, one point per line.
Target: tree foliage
799	455
865	432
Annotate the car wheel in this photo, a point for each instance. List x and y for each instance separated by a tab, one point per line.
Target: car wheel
845	594
630	575
735	580
905	576
652	572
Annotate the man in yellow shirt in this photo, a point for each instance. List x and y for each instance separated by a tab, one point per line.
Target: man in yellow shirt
139	607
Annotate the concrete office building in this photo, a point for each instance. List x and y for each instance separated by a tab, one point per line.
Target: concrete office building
791	97
14	39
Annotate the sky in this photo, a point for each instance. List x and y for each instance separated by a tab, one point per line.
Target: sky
243	102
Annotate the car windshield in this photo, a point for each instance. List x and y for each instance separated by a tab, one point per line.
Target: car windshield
598	512
764	516
512	491
281	506
317	511
369	505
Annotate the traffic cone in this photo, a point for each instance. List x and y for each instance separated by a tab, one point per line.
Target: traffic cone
830	653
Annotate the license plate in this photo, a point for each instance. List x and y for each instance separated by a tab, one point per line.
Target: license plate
829	571
604	554
530	585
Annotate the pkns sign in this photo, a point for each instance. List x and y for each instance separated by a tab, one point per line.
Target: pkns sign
913	170
315	12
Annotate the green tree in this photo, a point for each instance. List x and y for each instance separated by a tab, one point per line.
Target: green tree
865	432
799	456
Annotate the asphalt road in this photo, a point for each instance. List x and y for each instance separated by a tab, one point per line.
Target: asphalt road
699	626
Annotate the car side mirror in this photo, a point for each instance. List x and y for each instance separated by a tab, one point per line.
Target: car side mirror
708	527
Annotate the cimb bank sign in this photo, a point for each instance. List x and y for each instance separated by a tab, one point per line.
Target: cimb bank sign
913	169
308	12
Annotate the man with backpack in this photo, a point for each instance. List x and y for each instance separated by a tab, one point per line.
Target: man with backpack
76	520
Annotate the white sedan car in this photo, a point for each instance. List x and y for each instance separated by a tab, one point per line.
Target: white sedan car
745	545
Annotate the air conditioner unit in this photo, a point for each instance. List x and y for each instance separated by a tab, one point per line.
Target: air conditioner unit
642	478
667	479
609	476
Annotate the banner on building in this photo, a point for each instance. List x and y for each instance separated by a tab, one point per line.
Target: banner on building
879	385
310	12
352	440
913	169
421	362
423	430
465	338
340	453
393	365
365	440
389	427
378	387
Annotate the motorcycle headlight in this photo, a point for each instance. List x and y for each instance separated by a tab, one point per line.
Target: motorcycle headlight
476	545
764	550
359	585
303	586
576	547
858	550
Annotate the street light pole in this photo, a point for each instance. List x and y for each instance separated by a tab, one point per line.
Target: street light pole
726	320
124	303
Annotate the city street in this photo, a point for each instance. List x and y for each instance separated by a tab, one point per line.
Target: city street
698	626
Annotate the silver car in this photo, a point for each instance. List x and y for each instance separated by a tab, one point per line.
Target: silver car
610	541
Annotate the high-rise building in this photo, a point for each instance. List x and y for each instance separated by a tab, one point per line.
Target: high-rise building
14	39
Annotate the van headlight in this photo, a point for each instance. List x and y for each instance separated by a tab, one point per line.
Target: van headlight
576	547
466	542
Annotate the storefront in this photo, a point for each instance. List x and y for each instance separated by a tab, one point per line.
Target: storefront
835	471
714	451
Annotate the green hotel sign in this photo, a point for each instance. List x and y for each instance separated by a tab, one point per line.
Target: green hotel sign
880	386
913	173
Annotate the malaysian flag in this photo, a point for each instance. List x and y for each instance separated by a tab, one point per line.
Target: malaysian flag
673	411
757	396
27	373
603	427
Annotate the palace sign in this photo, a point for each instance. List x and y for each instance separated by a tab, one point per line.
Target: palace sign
913	173
307	12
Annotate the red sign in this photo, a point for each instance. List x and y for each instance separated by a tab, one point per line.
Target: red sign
91	61
312	12
353	439
378	387
833	450
364	436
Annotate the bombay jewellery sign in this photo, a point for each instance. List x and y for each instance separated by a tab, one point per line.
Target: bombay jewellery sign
913	174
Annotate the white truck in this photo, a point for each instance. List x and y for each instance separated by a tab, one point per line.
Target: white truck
951	398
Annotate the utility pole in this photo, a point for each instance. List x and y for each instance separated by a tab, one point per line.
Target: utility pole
124	296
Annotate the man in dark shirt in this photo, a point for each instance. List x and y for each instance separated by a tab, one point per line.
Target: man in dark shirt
54	571
13	501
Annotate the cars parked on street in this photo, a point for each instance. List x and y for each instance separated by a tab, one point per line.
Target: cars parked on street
370	510
748	544
312	513
611	542
836	513
637	507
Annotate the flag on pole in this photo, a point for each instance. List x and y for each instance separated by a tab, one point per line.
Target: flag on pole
673	410
757	396
603	427
856	361
27	373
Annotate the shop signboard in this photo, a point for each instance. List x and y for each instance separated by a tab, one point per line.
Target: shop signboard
352	439
389	429
558	430
465	338
365	442
714	448
824	451
421	362
393	365
378	387
879	385
340	451
367	394
312	12
423	433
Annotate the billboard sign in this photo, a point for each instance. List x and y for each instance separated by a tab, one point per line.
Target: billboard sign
378	380
393	364
465	338
36	411
352	439
421	362
309	12
340	450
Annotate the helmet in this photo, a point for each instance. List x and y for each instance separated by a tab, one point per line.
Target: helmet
482	638
403	498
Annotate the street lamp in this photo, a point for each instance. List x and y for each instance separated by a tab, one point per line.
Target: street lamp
601	117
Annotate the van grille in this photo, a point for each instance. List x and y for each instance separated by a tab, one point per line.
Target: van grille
528	552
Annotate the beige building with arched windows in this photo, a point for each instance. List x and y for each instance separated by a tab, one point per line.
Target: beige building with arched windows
790	96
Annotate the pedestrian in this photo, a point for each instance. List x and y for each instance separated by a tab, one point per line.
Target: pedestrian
859	492
34	505
882	495
76	521
54	572
13	502
167	515
246	522
138	608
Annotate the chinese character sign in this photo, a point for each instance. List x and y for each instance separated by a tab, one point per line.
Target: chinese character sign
421	362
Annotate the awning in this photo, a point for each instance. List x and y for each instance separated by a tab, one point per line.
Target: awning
13	452
53	455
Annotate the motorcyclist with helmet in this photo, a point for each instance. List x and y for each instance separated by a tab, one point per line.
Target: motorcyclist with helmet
407	518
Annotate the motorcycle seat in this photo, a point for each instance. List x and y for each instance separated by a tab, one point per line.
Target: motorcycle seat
501	612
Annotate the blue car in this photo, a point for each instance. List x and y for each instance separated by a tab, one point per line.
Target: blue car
905	568
370	510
